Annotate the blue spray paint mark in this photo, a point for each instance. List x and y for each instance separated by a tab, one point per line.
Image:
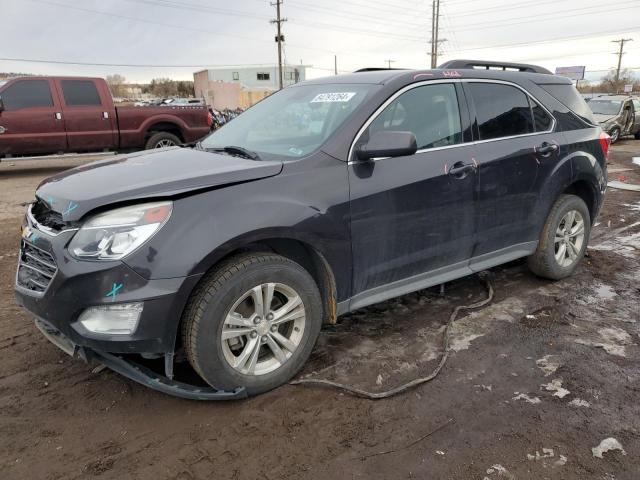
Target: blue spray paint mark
50	200
114	291
70	208
34	237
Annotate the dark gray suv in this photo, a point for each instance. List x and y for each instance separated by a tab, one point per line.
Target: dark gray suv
206	271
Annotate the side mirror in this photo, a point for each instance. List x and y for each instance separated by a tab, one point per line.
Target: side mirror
1	105
388	144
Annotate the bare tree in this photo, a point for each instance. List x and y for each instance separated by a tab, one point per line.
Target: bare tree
117	85
626	77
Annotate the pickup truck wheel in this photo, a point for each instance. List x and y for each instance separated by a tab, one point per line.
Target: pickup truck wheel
162	140
563	240
252	323
637	135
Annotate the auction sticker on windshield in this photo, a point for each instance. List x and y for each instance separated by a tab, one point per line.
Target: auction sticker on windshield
333	97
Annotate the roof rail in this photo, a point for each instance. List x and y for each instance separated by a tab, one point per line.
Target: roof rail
376	69
474	64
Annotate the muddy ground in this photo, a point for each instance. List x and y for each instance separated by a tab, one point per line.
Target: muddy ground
536	380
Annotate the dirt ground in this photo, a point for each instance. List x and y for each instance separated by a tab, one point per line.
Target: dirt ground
536	380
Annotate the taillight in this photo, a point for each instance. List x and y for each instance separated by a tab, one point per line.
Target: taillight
605	143
209	119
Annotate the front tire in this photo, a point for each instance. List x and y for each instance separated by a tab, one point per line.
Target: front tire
563	240
252	323
615	135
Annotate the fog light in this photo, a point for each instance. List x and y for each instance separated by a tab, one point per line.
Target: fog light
118	319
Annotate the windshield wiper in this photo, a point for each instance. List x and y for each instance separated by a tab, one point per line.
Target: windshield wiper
239	151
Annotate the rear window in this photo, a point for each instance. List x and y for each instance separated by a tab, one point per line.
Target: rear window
27	94
501	110
570	98
80	93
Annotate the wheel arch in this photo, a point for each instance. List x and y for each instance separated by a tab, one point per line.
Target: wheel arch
587	192
164	126
292	247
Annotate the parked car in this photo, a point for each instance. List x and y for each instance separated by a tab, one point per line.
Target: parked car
40	115
328	196
618	115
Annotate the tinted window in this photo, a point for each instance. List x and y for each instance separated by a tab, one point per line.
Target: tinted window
541	118
430	112
80	93
636	106
570	98
501	110
27	94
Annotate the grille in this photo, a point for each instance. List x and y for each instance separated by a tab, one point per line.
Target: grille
47	217
36	268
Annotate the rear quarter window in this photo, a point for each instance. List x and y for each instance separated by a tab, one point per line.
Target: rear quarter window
570	98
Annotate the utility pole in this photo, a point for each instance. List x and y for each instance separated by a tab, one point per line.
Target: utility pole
622	41
279	40
335	64
435	31
389	62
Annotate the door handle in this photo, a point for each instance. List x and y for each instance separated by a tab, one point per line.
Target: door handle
105	115
58	116
2	129
460	170
546	148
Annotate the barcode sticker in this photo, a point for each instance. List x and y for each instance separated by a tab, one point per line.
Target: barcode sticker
333	97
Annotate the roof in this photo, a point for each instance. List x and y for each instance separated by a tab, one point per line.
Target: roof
409	76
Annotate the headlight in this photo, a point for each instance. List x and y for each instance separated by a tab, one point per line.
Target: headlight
115	234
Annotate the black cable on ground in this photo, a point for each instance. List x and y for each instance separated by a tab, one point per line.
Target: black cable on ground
358	392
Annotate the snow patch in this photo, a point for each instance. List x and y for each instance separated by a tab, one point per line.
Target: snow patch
526	398
548	364
607	445
577	402
556	386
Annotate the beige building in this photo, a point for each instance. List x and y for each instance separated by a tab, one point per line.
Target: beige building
242	87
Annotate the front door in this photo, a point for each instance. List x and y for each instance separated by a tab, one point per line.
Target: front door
31	121
88	116
516	149
412	219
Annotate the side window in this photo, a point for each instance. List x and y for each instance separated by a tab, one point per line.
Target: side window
430	112
501	110
27	94
80	93
636	106
541	118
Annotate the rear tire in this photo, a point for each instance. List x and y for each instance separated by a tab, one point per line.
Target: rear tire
252	323
162	140
563	240
637	135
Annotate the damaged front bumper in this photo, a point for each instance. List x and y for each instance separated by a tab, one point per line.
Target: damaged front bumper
136	371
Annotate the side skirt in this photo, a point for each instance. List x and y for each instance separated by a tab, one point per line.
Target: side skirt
436	277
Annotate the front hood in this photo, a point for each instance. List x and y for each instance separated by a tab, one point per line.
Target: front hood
151	173
602	118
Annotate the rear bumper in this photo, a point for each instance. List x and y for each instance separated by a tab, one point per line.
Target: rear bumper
135	371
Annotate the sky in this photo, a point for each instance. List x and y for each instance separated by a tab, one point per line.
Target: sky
174	38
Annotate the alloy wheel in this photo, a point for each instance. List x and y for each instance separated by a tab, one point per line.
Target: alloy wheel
165	143
263	329
569	238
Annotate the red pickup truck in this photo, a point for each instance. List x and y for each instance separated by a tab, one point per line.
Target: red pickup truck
40	115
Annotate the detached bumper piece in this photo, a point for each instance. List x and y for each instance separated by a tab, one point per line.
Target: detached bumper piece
137	372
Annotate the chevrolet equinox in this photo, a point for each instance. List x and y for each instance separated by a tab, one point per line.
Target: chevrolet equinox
227	255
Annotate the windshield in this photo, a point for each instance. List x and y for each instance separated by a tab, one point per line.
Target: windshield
605	107
292	122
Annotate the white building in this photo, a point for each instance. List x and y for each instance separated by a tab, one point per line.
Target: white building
233	87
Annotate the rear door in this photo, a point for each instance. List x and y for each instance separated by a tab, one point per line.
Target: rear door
31	121
515	144
413	217
89	116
